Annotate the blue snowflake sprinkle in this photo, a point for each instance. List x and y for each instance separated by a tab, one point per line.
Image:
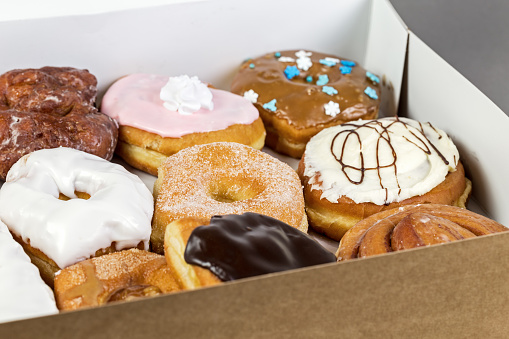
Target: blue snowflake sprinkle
277	54
322	80
291	72
329	90
328	62
271	105
373	77
345	69
309	78
251	65
348	63
370	92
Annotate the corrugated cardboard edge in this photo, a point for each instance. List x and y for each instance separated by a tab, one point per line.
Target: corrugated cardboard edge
456	290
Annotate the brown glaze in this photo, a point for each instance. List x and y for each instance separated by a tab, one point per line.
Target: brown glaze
251	244
301	103
48	108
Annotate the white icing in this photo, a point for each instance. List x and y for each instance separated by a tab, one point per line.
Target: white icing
186	95
119	210
415	173
23	294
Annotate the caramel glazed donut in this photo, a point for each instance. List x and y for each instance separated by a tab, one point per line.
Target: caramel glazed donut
63	206
51	107
352	171
299	93
160	115
119	276
413	226
225	178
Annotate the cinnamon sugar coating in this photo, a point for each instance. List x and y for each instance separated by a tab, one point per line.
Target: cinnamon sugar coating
225	178
118	276
48	108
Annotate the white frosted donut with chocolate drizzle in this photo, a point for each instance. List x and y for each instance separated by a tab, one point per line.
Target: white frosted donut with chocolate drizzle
362	167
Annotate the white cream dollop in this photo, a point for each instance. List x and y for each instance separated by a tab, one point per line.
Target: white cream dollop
401	158
186	95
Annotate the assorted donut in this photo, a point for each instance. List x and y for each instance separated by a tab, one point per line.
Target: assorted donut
221	208
356	169
158	116
225	178
63	206
51	107
299	93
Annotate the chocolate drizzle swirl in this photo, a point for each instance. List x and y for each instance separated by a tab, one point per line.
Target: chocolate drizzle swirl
384	136
240	246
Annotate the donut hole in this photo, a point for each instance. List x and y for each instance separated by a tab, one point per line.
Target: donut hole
134	292
80	195
229	190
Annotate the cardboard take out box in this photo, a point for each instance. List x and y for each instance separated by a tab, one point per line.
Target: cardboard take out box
455	290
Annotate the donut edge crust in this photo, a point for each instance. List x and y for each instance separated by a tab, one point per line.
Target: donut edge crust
146	151
335	219
176	235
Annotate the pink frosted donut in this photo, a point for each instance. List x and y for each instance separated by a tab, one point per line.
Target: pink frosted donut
159	115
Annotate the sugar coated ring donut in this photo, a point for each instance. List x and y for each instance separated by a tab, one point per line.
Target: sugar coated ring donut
225	178
118	276
51	107
117	214
299	93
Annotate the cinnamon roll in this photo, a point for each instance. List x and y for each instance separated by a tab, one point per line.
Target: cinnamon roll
413	226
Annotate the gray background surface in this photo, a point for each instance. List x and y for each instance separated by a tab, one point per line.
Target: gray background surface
471	35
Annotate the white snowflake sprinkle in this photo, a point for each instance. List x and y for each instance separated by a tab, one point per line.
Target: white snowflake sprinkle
251	96
332	108
286	59
332	59
303	54
304	63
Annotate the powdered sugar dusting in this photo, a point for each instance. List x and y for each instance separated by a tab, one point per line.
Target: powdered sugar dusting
191	177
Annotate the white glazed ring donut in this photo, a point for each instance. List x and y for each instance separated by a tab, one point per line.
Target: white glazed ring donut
117	214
